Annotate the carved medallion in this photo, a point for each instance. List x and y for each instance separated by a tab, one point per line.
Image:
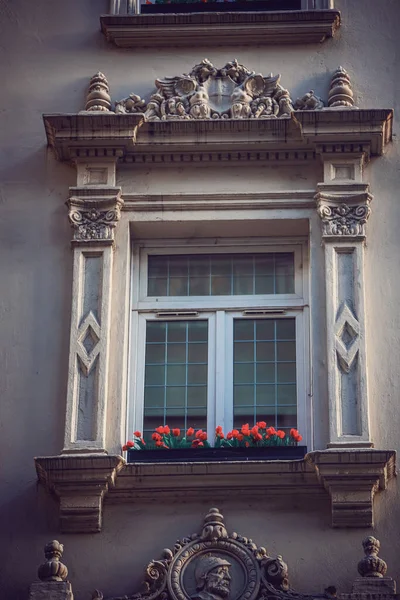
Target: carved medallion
215	565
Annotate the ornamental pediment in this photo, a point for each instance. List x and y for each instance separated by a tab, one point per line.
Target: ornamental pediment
229	92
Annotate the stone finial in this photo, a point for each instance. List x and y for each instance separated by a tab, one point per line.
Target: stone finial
214	526
98	97
53	569
340	92
371	565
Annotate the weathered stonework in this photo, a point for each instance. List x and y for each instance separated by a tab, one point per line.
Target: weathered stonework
94	217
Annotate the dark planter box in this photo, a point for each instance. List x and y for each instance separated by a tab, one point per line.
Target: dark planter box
218	454
250	6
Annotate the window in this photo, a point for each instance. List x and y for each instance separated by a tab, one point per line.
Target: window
218	336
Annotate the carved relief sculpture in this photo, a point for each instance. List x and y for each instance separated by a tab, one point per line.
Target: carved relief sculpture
232	92
344	220
93	220
215	565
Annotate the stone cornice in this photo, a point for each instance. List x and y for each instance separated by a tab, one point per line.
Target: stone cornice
129	138
351	477
265	200
227	28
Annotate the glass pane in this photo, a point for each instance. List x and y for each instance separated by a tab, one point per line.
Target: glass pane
243	373
220	286
243	395
157	287
197	396
244	351
176	353
243	286
265	329
155	375
154	397
286	394
285	329
243	329
176	389
178	286
155	332
286	351
284	273
199	286
268	374
287	373
155	353
221	274
265	351
265	373
175	397
176	375
197	373
265	395
198	331
176	331
198	353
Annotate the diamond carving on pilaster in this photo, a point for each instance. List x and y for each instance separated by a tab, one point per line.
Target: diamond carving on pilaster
88	346
347	330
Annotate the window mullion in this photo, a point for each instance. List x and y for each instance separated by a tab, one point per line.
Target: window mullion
221	399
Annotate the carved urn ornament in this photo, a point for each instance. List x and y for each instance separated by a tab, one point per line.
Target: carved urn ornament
340	93
53	569
371	565
98	97
216	565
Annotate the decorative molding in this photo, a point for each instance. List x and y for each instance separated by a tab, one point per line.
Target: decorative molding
227	28
94	217
351	477
258	200
128	137
80	483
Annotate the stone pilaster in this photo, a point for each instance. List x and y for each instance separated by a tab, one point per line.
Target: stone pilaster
343	204
94	211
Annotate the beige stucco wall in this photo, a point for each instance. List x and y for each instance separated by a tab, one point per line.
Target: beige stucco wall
48	52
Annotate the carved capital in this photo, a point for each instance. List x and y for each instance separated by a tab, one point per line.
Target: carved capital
344	216
94	214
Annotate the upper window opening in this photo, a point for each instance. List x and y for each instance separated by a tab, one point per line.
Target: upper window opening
221	275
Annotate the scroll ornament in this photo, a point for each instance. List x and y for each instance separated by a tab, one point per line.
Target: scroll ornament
91	223
216	565
343	219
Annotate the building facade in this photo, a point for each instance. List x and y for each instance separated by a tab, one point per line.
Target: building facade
208	239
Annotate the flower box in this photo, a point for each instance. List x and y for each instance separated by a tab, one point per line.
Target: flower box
212	6
218	454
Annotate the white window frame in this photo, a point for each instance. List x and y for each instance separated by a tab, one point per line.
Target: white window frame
220	312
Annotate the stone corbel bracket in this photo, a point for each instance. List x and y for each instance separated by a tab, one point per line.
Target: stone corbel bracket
80	483
352	477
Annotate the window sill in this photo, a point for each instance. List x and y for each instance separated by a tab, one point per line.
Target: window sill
220	28
351	478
